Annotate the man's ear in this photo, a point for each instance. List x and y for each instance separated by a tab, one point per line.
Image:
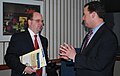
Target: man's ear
93	14
29	22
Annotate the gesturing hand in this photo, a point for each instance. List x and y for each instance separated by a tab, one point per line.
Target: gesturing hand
67	51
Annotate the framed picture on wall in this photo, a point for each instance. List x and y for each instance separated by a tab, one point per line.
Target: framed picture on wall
13	16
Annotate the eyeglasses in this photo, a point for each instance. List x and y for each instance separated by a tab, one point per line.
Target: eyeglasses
38	20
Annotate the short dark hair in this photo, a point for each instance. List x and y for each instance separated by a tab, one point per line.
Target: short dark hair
96	6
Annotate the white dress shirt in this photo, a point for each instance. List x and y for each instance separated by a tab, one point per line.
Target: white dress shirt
40	45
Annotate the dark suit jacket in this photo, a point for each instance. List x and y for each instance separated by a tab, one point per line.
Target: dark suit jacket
20	44
98	57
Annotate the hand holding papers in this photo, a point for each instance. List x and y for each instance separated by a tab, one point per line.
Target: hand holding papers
35	59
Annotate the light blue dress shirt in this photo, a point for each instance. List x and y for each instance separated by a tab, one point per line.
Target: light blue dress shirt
95	30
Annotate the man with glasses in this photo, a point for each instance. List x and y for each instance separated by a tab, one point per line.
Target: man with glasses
22	43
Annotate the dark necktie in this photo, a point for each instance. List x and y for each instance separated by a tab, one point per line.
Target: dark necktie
36	46
87	39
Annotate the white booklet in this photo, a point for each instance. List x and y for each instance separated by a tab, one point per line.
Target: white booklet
35	59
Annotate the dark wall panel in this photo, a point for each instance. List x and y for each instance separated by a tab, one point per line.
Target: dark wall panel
111	5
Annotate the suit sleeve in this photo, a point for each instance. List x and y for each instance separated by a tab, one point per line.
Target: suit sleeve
101	55
12	57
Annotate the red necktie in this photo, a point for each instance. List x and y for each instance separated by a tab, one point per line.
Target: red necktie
87	39
36	46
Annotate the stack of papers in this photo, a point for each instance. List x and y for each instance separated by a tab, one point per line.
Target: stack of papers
35	59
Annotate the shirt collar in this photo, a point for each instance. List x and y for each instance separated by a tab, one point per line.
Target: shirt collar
96	28
31	32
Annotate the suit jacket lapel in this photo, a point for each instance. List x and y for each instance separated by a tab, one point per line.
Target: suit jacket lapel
95	39
30	42
42	41
81	49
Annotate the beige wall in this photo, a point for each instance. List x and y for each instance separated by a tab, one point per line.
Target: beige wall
62	24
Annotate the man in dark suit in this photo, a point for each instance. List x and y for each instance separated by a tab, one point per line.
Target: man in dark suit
23	43
97	53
